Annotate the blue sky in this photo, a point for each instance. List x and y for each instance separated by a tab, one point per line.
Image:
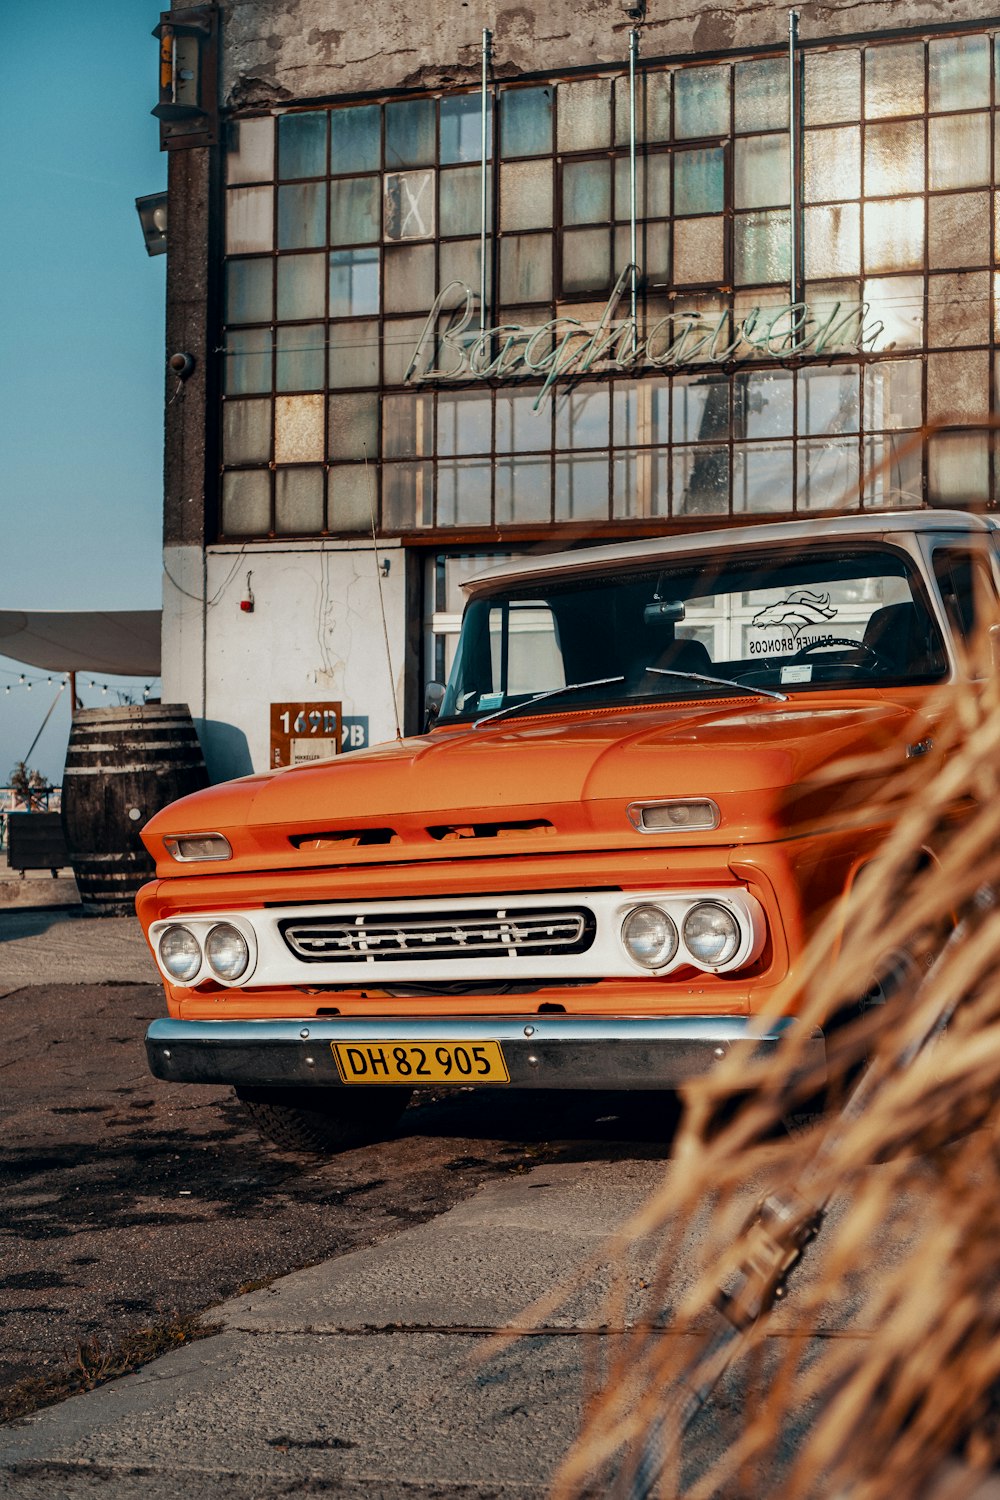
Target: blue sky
81	309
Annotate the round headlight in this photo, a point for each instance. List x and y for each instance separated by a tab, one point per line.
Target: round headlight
649	936
180	953
227	951
711	933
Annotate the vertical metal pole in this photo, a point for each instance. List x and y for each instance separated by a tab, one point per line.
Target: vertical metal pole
483	184
633	53
793	143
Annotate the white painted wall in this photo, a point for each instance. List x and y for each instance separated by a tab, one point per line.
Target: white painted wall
315	634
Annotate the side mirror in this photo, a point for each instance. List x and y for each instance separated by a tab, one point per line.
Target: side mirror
433	698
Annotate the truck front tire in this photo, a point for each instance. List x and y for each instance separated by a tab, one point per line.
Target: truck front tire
322	1121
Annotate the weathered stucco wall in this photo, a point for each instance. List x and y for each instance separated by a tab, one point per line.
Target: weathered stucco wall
305	49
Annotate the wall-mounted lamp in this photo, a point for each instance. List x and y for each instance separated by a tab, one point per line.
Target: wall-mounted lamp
152	211
386	565
188	100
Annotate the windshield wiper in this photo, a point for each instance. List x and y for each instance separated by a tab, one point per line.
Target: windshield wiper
570	687
743	687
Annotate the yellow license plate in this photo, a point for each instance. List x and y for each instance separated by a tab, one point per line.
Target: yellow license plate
420	1062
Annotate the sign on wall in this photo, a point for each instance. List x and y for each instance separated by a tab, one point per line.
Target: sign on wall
304	732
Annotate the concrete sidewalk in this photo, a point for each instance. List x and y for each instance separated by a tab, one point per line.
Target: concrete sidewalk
47	946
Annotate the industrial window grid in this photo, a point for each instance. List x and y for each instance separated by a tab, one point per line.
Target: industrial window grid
340	235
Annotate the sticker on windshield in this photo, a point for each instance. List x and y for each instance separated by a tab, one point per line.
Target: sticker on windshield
801	673
489	700
790	623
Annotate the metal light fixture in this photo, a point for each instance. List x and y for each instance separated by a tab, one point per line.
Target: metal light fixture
152	211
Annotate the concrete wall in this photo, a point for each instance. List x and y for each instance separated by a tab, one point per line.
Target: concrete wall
306	49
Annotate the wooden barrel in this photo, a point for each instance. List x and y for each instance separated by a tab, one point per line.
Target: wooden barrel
122	765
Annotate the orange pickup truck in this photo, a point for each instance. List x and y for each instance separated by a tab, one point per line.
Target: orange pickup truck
607	849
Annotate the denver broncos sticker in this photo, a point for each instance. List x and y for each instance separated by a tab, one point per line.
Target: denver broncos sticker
789	618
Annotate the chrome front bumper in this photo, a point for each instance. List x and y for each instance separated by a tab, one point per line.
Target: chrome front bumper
541	1052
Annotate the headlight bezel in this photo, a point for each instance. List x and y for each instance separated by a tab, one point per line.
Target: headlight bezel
736	938
200	928
663	815
668	950
179	847
217	973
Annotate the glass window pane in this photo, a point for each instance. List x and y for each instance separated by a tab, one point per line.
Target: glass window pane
958	468
894	80
701	102
958	151
831	164
520	428
761	95
302	145
958	229
829	400
249	291
894	472
250	157
892	394
761	171
700	481
526	268
302	216
525	122
652	186
301	286
298	502
585	114
583	417
828	475
582	488
464	491
246	432
761	248
762	477
586	261
894	159
958	309
249	220
767	402
958	386
356	139
410	131
641	484
699	251
459	261
652	107
832	87
641	411
465	422
523	490
409	205
352	430
409	278
298	429
700	408
407	496
354	211
835	313
351	498
353	354
399	346
832	240
300	357
898	303
894	235
653	249
700	181
407	426
460	208
526	195
959	72
586	192
248	361
246	503
353	283
462	127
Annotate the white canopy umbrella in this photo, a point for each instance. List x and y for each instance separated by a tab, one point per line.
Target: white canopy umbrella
124	642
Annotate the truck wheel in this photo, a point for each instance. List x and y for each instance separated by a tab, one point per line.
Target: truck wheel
322	1121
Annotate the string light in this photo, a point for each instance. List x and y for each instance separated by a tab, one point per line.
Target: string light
127	688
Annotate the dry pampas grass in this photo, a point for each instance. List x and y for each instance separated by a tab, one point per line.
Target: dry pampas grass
875	1374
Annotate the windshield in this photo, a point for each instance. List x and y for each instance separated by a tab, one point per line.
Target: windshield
785	622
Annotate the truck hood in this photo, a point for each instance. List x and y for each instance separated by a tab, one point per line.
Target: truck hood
567	777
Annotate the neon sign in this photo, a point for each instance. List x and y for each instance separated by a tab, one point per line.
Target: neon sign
564	348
